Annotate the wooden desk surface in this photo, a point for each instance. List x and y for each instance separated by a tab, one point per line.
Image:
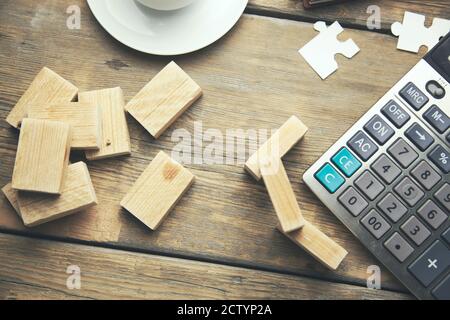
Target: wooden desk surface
220	241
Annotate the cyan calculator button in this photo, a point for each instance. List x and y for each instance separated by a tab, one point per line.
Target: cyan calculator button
329	178
346	162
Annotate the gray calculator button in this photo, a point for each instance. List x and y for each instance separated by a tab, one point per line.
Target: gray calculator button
396	114
437	118
443	196
409	191
369	185
419	136
431	264
426	175
376	224
446	236
379	129
362	145
415	230
442	290
386	169
415	98
399	247
353	201
432	214
403	153
392	207
441	158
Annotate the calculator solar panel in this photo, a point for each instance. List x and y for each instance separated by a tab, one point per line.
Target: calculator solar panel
387	178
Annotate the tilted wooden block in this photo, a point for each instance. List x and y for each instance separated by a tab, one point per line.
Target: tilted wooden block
157	190
47	87
164	99
11	196
316	243
278	145
77	194
42	156
115	136
281	194
84	118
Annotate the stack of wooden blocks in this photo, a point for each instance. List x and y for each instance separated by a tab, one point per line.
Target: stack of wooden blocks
46	187
266	164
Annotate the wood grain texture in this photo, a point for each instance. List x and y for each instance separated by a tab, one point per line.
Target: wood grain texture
115	274
11	195
353	13
164	99
115	135
46	87
42	156
77	194
288	135
228	217
83	118
157	190
319	245
281	194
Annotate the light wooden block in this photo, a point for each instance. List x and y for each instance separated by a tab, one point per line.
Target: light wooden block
115	136
319	245
84	118
11	196
77	194
47	87
157	190
281	194
42	156
164	99
291	132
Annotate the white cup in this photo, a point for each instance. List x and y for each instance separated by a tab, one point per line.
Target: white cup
166	5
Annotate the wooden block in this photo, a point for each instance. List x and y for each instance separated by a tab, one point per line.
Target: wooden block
279	144
316	243
281	194
84	118
157	190
77	194
11	196
42	156
47	87
115	135
164	99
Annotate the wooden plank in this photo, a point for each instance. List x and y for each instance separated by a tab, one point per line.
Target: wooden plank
261	93
84	119
318	244
289	134
115	135
42	156
115	274
281	194
157	190
77	194
164	99
46	87
11	196
353	13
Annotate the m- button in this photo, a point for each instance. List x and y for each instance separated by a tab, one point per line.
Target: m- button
415	98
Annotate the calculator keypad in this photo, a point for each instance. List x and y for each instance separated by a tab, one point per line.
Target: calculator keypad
395	192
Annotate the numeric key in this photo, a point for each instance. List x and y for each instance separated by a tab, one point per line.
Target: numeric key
415	230
403	153
353	201
409	191
432	214
426	175
392	207
443	196
386	169
376	224
369	185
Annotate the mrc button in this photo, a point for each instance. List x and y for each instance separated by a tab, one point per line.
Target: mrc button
415	98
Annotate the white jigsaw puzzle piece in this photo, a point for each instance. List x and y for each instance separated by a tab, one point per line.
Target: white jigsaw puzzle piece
412	33
320	51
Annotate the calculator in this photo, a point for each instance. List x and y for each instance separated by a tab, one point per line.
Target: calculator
387	178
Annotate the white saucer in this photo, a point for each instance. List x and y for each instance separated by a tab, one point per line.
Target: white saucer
167	32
